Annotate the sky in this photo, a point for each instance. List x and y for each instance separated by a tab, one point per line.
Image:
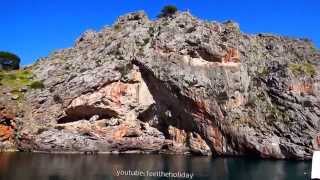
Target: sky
35	28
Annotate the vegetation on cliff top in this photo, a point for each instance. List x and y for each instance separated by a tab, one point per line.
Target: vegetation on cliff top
18	79
168	10
9	61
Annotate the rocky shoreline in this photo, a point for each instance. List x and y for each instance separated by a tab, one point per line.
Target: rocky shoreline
176	85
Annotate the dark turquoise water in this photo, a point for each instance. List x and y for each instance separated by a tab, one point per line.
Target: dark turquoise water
26	166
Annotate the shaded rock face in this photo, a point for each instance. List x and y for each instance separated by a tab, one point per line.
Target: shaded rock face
176	85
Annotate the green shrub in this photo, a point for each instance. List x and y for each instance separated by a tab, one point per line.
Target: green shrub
165	24
9	61
146	41
303	69
15	79
37	85
313	48
167	11
12	77
117	27
41	130
275	114
263	71
151	30
124	69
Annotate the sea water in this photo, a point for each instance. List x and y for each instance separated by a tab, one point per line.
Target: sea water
35	166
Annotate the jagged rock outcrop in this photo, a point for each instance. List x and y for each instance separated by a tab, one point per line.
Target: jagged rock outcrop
175	85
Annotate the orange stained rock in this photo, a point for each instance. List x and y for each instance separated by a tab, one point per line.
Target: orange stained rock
201	106
302	87
177	135
136	76
120	133
216	138
6	132
318	140
197	139
232	55
6	115
236	102
201	109
119	89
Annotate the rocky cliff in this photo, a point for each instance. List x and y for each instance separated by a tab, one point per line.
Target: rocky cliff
172	85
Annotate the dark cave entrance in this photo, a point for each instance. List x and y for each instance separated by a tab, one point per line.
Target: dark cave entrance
86	112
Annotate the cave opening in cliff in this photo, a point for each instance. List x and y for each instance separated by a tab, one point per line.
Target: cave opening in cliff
86	113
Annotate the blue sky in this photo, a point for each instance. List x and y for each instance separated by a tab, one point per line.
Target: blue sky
35	28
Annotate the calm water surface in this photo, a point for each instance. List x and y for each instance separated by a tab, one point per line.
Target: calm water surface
27	166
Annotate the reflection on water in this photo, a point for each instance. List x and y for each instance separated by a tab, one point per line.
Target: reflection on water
25	166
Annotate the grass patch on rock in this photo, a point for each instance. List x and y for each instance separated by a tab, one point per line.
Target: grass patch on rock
18	79
303	69
36	85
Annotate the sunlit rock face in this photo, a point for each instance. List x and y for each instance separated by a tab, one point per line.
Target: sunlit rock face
7	129
175	85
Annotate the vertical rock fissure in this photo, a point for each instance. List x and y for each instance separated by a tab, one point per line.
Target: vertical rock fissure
181	106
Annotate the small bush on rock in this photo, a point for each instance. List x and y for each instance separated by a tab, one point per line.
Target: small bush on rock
167	11
303	69
117	27
37	85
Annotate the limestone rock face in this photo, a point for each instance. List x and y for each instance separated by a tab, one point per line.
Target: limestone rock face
175	85
7	130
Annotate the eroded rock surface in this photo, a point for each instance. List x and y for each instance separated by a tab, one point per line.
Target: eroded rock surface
7	130
175	85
